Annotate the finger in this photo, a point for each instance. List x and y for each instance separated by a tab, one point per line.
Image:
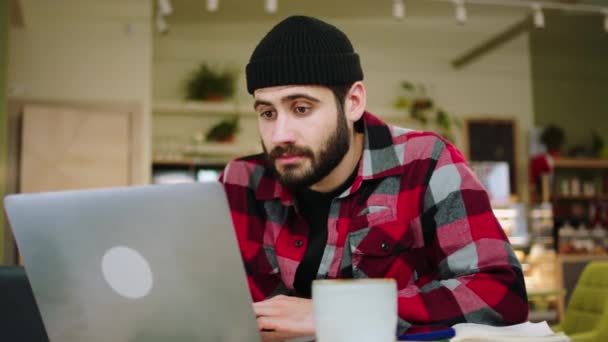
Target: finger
269	323
274	300
274	336
276	306
266	309
291	326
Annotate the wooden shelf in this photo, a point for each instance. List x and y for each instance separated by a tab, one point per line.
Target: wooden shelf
182	162
207	154
581	257
220	149
558	197
581	163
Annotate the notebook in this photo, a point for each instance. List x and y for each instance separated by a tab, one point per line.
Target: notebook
148	263
524	332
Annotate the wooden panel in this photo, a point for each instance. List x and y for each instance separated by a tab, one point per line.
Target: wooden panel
66	148
3	120
581	163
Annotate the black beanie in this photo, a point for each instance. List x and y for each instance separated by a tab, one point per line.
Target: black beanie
303	50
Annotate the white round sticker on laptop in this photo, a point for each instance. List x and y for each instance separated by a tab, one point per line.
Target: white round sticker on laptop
127	272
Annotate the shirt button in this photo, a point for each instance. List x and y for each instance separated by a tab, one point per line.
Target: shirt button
385	247
298	243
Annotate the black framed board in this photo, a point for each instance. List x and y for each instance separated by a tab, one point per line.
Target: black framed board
493	140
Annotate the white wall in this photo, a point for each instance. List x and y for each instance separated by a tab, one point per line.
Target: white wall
419	49
85	50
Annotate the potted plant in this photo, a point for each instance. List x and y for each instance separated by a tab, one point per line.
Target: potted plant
206	83
553	137
224	131
422	108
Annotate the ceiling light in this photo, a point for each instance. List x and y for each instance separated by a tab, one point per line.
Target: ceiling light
539	16
161	24
271	6
399	9
164	7
213	5
460	11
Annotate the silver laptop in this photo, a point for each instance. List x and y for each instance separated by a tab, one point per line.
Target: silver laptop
150	263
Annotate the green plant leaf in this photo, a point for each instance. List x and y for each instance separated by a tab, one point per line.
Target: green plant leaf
443	120
223	129
402	102
407	85
207	83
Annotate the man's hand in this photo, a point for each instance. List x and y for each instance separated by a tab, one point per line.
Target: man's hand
283	317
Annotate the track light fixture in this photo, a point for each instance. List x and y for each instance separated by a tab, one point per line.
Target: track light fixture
538	15
460	11
213	5
537	6
164	7
399	9
161	24
271	6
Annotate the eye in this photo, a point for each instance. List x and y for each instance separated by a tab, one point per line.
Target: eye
301	109
267	115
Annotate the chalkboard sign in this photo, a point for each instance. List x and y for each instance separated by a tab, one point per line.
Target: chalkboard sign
493	140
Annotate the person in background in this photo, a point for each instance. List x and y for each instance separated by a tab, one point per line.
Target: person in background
338	193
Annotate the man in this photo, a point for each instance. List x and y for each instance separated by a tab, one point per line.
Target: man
338	193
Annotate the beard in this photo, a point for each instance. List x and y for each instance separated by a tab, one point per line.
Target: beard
331	153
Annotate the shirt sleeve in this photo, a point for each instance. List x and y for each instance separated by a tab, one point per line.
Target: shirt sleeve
478	277
260	265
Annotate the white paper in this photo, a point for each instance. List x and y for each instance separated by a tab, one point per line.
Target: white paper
528	331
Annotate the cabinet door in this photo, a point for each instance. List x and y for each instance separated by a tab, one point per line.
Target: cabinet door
66	148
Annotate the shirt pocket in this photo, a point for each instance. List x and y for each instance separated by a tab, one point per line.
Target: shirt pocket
372	252
372	215
376	252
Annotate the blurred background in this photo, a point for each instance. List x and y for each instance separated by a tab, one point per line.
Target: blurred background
110	93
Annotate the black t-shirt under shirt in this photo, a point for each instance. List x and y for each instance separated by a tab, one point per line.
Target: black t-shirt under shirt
314	207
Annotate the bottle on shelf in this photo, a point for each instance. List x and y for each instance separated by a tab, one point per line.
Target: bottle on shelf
599	236
582	239
575	186
566	237
565	187
589	189
593	213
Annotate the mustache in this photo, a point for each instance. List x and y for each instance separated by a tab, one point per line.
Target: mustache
278	151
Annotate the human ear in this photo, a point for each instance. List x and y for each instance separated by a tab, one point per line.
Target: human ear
355	101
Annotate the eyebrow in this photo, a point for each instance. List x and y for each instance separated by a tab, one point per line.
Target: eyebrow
287	98
261	103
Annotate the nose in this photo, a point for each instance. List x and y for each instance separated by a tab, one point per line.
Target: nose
283	132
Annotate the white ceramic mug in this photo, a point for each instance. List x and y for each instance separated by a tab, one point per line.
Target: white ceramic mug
355	310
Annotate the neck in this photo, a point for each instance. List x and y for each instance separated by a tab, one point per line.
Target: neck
340	174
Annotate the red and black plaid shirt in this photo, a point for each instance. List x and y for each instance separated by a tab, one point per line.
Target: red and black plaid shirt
415	212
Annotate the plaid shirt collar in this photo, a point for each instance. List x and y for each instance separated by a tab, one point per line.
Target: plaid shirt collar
379	159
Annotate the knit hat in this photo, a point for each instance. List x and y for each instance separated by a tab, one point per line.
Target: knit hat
303	50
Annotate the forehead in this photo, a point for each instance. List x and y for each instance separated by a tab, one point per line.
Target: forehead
278	93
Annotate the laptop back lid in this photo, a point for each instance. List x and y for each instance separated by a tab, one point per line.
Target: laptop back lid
149	263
